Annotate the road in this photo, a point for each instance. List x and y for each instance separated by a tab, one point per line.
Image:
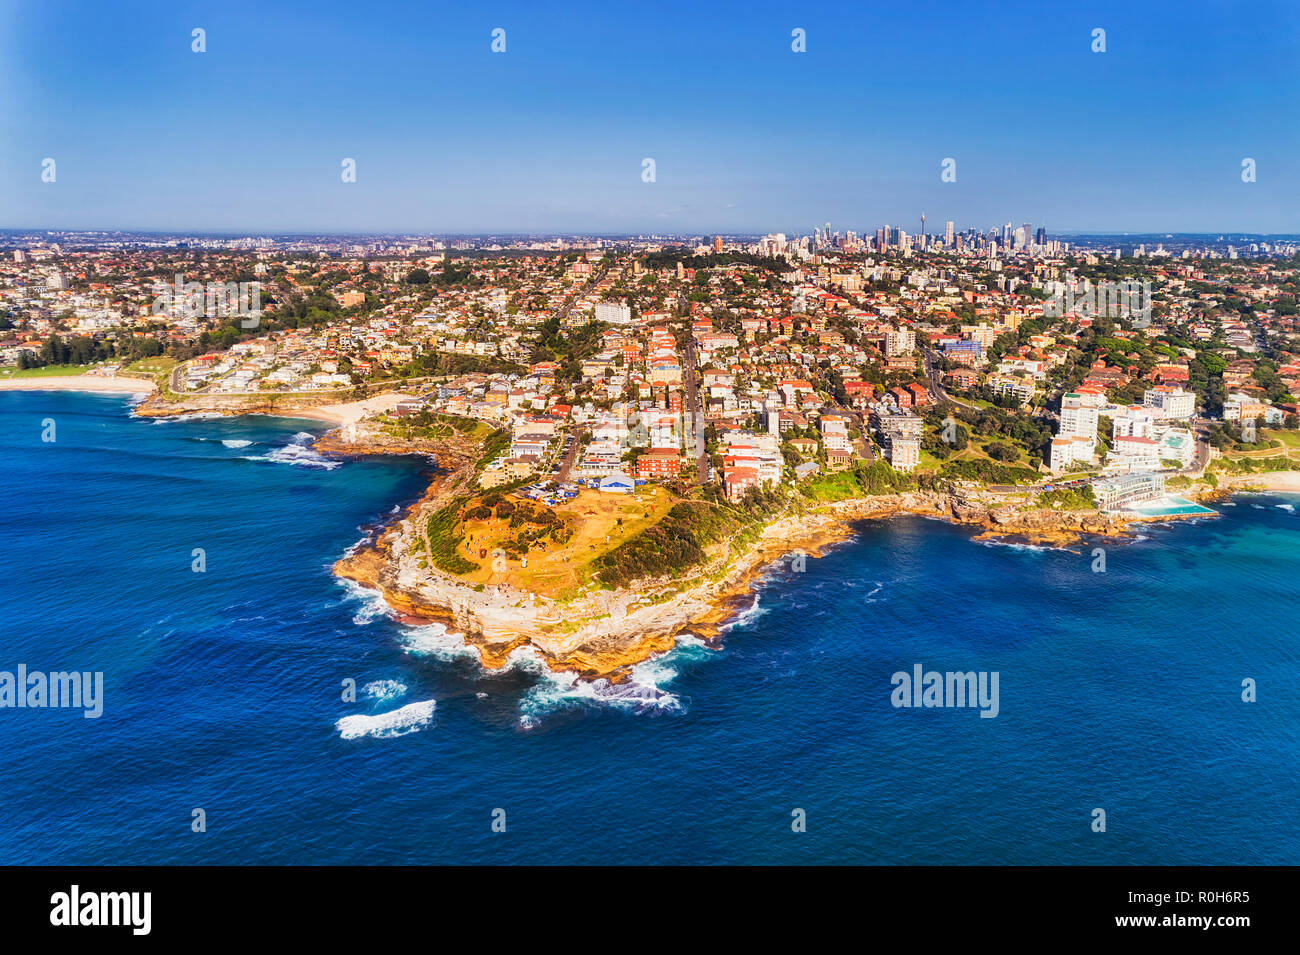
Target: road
567	305
933	378
694	408
571	455
863	444
1201	434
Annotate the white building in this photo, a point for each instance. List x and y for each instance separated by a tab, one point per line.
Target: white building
615	313
1128	489
1134	454
1077	417
901	341
904	452
1170	402
1135	422
1072	449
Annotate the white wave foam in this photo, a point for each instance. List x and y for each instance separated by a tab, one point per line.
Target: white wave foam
1286	507
191	416
298	455
373	605
236	443
746	616
384	690
436	641
1016	545
642	692
408	719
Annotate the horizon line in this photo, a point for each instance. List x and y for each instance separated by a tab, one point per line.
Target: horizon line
571	233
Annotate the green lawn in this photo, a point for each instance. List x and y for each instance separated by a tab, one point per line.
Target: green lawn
49	371
161	365
1290	439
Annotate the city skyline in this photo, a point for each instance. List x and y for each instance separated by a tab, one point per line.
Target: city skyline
550	136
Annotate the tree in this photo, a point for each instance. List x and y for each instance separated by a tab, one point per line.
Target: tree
417	277
1000	451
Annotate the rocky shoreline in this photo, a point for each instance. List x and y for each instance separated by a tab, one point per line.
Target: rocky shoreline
159	406
603	634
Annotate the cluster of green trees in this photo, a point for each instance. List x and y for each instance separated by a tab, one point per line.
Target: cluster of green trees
1032	433
82	350
1069	498
532	524
450	276
987	472
437	364
444	541
668	258
673	545
568	350
878	477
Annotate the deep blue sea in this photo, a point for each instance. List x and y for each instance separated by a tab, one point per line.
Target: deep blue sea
1119	690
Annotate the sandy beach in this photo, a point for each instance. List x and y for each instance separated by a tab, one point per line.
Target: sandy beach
1288	481
100	383
351	412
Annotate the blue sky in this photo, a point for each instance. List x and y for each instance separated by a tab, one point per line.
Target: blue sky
747	136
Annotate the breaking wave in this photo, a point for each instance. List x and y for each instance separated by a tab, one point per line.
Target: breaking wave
746	616
434	640
298	452
643	692
1017	545
383	690
408	719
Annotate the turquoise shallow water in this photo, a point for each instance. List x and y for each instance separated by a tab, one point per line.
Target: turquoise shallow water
1170	506
1118	690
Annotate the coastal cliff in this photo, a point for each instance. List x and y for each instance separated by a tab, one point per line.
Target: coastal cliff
271	403
602	634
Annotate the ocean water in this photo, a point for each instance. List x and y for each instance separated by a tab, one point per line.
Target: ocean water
1118	690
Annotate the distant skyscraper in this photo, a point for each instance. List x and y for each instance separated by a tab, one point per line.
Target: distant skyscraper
947	233
1041	237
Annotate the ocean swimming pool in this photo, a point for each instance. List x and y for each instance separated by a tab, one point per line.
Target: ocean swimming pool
1169	505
